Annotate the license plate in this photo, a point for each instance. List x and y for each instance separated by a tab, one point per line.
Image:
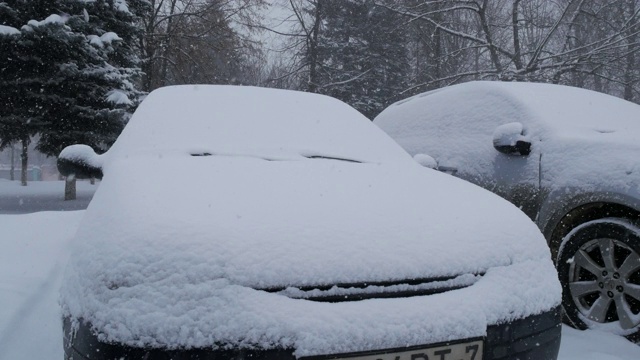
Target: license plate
471	350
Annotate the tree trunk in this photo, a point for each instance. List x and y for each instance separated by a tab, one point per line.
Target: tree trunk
597	83
70	187
629	73
493	52
517	60
24	156
168	46
437	51
312	38
13	163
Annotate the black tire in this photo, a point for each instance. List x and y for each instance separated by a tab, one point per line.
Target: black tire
599	268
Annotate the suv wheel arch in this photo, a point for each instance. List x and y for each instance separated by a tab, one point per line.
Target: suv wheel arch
585	213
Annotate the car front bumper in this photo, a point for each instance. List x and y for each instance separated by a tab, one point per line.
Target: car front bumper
535	337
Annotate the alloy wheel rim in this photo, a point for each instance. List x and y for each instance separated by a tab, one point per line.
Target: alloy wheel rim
604	281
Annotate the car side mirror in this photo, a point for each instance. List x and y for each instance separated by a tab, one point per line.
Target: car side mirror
510	139
80	161
426	161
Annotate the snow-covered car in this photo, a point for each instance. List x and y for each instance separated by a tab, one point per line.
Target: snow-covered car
568	157
239	222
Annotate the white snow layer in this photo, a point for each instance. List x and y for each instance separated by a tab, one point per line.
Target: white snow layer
426	161
122	5
33	253
508	134
248	121
30	273
118	97
8	30
582	138
51	19
104	39
174	262
82	153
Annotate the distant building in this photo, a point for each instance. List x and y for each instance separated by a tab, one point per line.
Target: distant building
40	166
34	173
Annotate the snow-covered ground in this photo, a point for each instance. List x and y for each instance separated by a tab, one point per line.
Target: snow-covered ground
44	188
33	254
32	259
42	196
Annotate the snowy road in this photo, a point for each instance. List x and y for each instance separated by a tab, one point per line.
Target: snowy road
32	260
33	253
42	196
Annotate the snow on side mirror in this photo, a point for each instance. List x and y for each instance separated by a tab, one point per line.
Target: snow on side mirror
426	161
81	161
510	139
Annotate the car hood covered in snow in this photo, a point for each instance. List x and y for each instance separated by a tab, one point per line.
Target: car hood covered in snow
268	224
173	245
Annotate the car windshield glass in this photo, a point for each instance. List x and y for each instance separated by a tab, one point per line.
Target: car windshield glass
246	121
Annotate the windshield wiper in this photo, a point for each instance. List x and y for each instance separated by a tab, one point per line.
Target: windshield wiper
268	159
332	158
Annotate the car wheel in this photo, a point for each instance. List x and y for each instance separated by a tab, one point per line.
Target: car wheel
599	268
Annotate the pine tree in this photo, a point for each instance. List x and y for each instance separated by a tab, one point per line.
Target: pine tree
67	77
106	86
362	54
21	115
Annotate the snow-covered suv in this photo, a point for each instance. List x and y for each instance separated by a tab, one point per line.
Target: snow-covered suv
239	222
568	157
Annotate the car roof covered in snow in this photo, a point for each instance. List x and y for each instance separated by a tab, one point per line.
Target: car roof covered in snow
586	136
547	109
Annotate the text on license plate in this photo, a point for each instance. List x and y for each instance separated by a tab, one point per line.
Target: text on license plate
460	351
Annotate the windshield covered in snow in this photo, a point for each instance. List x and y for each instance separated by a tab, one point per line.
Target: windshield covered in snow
257	122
